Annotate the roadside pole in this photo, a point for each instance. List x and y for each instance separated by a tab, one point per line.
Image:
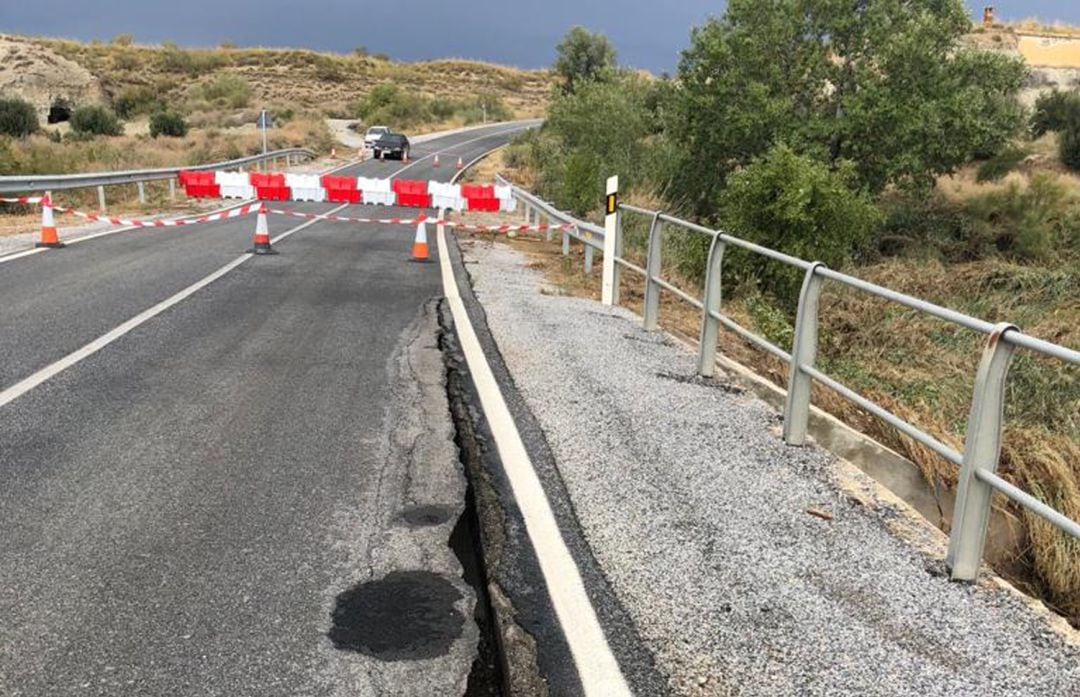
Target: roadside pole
611	246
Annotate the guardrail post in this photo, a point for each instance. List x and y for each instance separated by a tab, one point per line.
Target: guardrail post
616	284
804	352
710	326
651	312
566	240
101	198
588	257
982	449
142	192
172	189
611	242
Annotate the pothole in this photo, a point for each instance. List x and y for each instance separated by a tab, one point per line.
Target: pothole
426	516
406	615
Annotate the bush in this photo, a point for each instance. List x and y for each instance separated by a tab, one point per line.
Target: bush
227	90
168	123
17	118
1001	164
133	101
1069	147
95	119
799	206
1053	111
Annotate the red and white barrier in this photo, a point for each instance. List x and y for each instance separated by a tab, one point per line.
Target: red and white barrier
343	189
22	199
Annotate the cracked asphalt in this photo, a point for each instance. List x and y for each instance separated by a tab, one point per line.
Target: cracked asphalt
182	511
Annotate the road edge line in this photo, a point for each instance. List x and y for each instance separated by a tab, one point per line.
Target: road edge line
596	664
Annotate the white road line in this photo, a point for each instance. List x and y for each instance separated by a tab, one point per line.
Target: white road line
25	385
596	665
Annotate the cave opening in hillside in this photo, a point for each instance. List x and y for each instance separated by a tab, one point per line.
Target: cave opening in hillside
59	112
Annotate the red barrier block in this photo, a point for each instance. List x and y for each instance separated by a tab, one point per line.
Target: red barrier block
480	198
411	193
340	189
200	185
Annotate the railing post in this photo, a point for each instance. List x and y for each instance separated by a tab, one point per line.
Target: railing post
651	312
616	283
710	326
101	198
549	234
804	352
611	242
172	189
566	241
588	257
142	192
982	449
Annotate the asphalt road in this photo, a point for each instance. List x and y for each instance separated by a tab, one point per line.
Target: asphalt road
186	511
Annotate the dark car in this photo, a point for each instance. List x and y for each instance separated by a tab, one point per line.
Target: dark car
391	145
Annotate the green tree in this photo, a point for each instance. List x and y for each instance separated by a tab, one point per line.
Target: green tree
582	56
17	118
882	84
798	205
168	123
95	119
601	130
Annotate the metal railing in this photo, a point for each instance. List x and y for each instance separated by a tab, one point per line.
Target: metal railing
58	182
978	463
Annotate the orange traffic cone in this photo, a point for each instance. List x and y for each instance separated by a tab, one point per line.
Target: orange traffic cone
419	245
49	237
460	164
262	235
435	163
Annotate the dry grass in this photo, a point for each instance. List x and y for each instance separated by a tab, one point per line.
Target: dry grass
300	79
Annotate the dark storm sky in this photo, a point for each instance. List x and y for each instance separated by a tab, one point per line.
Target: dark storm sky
647	33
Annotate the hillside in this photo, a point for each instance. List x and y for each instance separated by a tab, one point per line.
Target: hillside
286	80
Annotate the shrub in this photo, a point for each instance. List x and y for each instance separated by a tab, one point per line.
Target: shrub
136	100
168	123
1069	147
226	89
17	118
1001	164
95	119
800	206
1053	111
1021	224
123	40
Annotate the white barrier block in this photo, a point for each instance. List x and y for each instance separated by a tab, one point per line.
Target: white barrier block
376	191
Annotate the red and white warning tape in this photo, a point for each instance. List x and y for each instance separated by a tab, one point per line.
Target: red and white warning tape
423	219
175	222
23	199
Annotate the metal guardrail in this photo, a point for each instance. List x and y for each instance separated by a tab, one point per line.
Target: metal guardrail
58	182
535	208
978	463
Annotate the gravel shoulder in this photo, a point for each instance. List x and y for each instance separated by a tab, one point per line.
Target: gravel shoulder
697	514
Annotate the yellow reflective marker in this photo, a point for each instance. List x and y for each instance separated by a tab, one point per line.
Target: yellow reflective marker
612	204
